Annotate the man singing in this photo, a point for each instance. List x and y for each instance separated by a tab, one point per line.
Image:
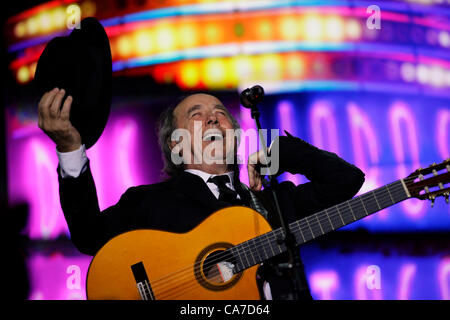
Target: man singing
195	189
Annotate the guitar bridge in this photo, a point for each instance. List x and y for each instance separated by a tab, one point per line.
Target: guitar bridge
142	282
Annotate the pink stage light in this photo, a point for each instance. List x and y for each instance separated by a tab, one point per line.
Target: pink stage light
113	159
125	131
366	150
323	126
287	118
245	148
406	277
58	277
323	283
362	292
32	175
442	133
35	179
444	278
404	130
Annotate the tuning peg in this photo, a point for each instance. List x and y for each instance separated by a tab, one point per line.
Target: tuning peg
432	198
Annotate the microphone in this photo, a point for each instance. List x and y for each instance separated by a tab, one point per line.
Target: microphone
250	97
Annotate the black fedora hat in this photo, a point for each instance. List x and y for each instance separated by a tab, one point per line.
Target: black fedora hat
81	64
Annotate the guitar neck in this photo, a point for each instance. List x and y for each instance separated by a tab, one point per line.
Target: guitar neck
266	246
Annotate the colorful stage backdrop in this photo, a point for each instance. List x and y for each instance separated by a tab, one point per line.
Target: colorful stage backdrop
367	80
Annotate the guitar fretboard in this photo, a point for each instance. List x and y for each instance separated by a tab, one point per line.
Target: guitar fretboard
259	249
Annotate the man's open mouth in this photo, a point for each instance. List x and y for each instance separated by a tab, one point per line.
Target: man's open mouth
212	135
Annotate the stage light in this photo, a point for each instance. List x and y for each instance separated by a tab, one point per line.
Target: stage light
408	72
45	22
290	28
32	26
313	27
124	46
323	283
391	70
444	39
431	36
353	29
190	76
294	66
164	38
334	28
242	69
423	74
265	30
214	73
23	74
144	42
188	35
20	30
437	76
58	17
270	67
213	33
407	273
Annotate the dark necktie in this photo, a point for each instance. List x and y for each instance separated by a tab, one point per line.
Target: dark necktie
225	193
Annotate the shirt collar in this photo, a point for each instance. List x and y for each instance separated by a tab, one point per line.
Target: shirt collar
205	176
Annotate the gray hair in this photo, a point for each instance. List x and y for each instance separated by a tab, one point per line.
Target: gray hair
166	124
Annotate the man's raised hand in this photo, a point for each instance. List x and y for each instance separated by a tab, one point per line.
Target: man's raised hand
55	121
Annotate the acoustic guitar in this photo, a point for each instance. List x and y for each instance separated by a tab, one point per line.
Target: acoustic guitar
219	258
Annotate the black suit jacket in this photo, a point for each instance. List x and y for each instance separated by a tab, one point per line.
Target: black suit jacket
182	202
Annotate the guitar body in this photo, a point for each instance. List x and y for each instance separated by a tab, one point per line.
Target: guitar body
179	266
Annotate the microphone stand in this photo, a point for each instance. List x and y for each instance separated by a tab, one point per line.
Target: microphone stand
294	262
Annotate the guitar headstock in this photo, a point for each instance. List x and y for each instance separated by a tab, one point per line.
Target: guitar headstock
430	183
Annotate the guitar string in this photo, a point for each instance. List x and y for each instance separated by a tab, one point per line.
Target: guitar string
297	227
226	254
299	224
222	257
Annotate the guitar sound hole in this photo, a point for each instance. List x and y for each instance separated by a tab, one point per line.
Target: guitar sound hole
214	267
217	269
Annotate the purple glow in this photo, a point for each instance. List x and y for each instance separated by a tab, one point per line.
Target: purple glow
245	148
286	116
365	151
400	115
444	278
363	135
48	197
33	179
114	162
323	126
126	136
58	277
323	283
442	132
360	285
406	277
